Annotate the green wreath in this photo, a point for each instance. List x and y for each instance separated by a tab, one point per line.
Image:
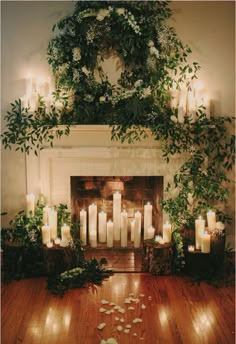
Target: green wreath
149	50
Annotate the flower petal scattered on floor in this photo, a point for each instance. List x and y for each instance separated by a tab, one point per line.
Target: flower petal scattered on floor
101	326
102	310
131	308
104	302
119	328
143	306
126	330
128	326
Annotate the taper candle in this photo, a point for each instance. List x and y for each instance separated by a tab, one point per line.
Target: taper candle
93	225
199	229
132	226
147	219
83	226
137	229
110	233
116	214
102	227
124	228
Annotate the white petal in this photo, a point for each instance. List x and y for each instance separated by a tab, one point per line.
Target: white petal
111	341
127	300
119	328
128	326
143	306
116	318
117	307
135	334
112	304
141	295
104	302
101	326
122	320
108	312
126	330
121	310
112	311
131	308
102	310
103	341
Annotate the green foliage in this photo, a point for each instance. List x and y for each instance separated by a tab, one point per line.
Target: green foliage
88	272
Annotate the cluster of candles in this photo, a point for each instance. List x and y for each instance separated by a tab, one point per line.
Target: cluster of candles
188	101
39	86
202	237
99	229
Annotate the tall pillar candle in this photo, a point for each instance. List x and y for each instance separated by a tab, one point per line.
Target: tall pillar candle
52	221
137	229
102	227
147	219
205	242
124	228
132	226
199	230
30	199
46	214
167	232
65	233
211	219
116	214
46	234
93	225
110	234
83	226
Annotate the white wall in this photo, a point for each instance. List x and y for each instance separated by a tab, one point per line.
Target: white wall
208	27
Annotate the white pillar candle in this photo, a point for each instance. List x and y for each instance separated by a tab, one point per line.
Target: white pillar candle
167	232
147	219
205	242
93	225
132	226
199	229
124	228
102	227
150	232
30	199
83	226
116	214
45	234
46	211
65	232
211	219
182	105
110	233
137	229
52	221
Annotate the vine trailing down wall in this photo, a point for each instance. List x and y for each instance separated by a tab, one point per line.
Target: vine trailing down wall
154	68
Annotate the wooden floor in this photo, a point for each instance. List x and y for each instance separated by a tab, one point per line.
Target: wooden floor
119	260
177	312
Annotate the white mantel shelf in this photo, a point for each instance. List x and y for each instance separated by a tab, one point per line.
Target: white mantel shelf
98	136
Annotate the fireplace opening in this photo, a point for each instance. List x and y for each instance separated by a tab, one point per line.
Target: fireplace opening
135	192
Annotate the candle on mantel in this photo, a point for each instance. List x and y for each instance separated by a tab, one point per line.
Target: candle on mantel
102	226
137	229
116	214
45	234
147	219
199	229
65	232
211	219
132	226
150	232
167	232
110	234
46	214
124	228
205	242
93	225
30	199
52	221
83	226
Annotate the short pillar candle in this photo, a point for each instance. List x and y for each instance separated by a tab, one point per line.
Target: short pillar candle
45	234
124	228
199	230
211	219
205	242
147	219
52	221
65	232
137	229
110	233
30	199
83	226
167	232
102	227
93	225
116	214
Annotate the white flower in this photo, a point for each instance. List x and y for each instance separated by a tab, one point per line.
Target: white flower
102	14
220	226
120	11
173	119
154	51
63	68
150	44
85	70
102	99
147	92
76	76
138	83
76	54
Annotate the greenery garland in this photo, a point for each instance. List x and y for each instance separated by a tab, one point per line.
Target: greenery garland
154	61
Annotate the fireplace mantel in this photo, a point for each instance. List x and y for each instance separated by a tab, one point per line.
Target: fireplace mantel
89	151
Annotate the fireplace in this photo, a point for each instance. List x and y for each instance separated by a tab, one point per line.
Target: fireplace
136	192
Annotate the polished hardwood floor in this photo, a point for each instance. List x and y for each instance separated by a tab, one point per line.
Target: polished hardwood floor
176	312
